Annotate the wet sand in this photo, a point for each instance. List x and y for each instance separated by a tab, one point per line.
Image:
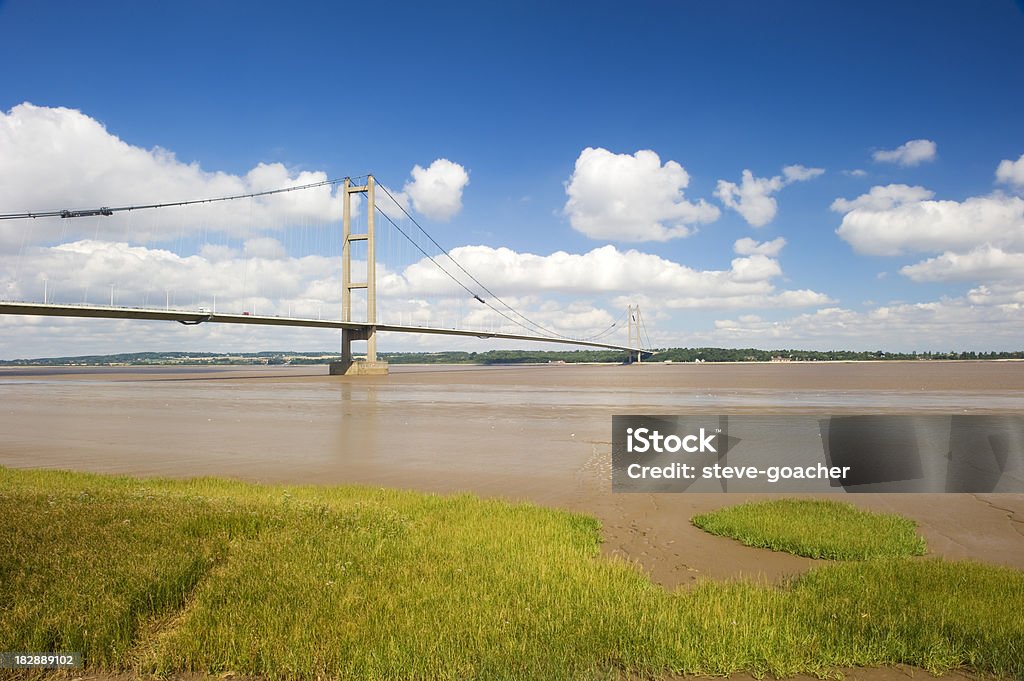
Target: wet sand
539	434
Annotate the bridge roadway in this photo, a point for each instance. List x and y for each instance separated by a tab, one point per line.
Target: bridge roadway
198	317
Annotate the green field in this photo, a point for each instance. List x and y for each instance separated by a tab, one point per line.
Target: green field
157	576
816	529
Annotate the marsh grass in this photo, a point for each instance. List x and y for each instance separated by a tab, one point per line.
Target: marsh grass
211	576
816	529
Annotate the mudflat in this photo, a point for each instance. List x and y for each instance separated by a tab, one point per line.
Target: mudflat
532	433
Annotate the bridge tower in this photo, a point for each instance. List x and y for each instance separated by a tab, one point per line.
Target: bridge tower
347	366
633	322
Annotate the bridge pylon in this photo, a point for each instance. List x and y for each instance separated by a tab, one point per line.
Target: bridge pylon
348	366
634	321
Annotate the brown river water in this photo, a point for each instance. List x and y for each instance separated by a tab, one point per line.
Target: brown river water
534	433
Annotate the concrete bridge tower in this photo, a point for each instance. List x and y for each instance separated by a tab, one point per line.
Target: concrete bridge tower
347	366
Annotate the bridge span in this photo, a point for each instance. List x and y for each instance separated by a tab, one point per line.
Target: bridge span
201	317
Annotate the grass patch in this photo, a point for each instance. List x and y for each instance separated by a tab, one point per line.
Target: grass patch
84	562
816	529
301	582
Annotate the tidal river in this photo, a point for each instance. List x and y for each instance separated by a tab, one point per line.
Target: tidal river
535	433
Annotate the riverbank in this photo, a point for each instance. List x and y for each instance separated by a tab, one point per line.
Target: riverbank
270	581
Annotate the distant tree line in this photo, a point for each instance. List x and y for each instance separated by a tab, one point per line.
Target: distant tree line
756	355
509	357
506	357
158	358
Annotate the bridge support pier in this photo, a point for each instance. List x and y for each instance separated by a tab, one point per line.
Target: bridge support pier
358	368
348	366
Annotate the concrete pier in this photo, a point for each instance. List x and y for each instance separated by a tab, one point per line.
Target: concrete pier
358	368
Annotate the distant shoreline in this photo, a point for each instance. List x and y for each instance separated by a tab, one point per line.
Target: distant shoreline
522	358
56	363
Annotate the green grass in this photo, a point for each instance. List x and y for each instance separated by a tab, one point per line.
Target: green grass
210	576
816	529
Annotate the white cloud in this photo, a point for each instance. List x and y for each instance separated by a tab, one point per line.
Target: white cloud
881	198
265	247
752	198
798	173
979	239
28	337
1011	172
900	219
747	246
436	191
1005	295
938	325
624	197
84	272
912	153
755	268
800	298
218	252
984	263
759	300
607	270
856	172
57	158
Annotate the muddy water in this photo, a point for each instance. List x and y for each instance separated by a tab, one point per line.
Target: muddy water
526	433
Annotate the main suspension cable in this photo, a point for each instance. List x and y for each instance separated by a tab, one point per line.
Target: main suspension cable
107	211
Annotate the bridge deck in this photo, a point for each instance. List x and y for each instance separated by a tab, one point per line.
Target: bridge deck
196	317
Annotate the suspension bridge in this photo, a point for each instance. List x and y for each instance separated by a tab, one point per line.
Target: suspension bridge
417	259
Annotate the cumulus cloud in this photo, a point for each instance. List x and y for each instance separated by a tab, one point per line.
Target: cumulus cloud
1004	295
898	219
979	239
881	198
59	158
984	263
748	246
1011	172
747	283
436	191
753	199
912	153
625	197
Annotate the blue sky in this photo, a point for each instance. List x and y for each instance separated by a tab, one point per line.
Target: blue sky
514	93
